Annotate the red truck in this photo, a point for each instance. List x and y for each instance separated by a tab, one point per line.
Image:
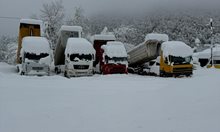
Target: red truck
111	56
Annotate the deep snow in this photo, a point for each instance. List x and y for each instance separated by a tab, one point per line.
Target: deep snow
111	103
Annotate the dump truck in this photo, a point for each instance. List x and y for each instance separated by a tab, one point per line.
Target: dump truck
79	57
152	48
28	27
64	34
98	41
114	58
145	52
74	56
35	56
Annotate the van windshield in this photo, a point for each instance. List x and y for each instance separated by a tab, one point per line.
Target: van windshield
75	57
32	56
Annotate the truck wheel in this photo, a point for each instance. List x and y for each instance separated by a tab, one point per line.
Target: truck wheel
66	75
18	70
22	73
57	70
161	74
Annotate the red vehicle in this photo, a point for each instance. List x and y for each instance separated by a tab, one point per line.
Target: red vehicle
114	58
99	40
111	56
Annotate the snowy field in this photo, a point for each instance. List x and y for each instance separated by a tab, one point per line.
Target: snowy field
111	103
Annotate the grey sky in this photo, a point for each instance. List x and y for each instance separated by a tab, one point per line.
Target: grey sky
25	8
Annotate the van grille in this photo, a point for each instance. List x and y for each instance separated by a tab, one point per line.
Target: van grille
81	67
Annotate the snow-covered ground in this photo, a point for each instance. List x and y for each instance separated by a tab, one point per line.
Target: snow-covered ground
111	103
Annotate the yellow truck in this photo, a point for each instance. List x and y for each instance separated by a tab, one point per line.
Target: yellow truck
176	59
160	56
28	27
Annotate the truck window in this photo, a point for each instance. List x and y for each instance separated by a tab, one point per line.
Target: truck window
151	63
216	61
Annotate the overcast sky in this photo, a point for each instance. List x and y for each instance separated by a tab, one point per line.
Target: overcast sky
25	8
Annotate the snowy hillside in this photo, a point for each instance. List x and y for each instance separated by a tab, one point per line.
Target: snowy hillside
112	103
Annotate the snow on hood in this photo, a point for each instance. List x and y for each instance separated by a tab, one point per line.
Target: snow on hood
176	48
156	36
70	28
35	45
115	49
79	46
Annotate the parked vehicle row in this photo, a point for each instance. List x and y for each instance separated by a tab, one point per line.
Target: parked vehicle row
76	56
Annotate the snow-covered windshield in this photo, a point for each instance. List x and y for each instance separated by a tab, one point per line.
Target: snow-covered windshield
115	58
74	57
32	56
180	60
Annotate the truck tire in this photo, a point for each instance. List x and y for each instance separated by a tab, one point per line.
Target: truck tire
22	73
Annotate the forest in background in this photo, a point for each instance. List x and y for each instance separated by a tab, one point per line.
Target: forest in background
182	25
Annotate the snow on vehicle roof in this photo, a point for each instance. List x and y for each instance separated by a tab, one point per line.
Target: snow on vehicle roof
176	48
156	36
32	21
115	49
71	28
35	45
103	37
79	46
206	54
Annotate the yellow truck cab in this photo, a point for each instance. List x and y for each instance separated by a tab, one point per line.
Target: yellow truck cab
176	59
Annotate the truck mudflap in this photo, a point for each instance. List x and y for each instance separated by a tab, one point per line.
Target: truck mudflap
114	69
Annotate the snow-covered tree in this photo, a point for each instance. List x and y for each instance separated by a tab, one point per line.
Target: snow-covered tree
53	16
79	19
8	48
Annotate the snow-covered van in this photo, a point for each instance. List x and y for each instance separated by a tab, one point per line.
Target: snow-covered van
114	58
64	34
35	56
79	57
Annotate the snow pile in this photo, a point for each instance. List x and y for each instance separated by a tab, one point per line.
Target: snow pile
112	103
71	28
176	48
115	49
158	37
36	45
79	46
